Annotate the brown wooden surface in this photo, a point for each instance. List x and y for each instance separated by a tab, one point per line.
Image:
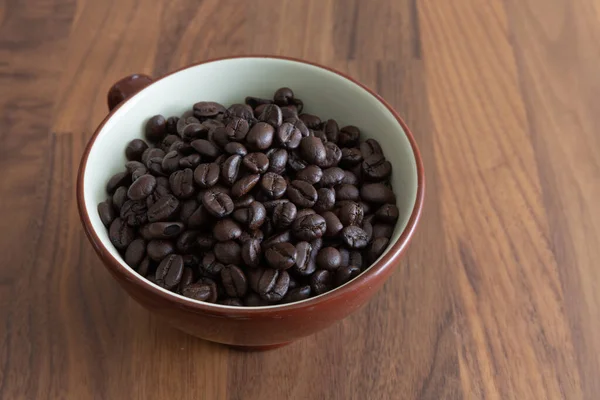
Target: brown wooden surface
499	296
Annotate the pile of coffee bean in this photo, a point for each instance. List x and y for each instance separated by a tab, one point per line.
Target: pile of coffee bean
251	205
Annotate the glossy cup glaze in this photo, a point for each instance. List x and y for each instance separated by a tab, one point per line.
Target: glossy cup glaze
325	92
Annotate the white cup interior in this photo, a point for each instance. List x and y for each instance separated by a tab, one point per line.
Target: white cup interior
228	81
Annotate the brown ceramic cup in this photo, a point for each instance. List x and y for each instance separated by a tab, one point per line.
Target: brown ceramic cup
325	92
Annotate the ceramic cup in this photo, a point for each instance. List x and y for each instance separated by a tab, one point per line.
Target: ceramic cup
325	92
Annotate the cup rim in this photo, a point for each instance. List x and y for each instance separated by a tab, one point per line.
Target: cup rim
368	277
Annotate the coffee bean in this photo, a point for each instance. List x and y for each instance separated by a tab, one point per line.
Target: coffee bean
256	101
325	200
321	281
270	284
311	121
236	148
171	125
207	175
169	272
383	230
332	176
283	96
333	224
271	114
243	186
302	193
251	251
187	242
142	187
354	237
288	136
350	157
252	299
191	161
106	212
220	137
240	111
156	128
346	192
208	109
355	258
161	230
151	153
295	162
271	204
376	167
311	174
226	229
273	185
135	253
133	166
252	216
370	147
232	301
170	162
281	237
210	266
377	248
146	268
134	213
230	169
158	249
309	227
206	148
155	166
349	136
329	258
284	214
331	130
234	281
135	149
304	212
117	180
351	213
377	193
163	209
260	136
333	155
228	252
256	163
312	150
182	183
194	131
281	255
278	159
345	274
187	278
200	292
217	203
168	141
387	213
368	228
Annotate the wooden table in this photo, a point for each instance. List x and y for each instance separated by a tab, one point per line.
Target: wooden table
499	296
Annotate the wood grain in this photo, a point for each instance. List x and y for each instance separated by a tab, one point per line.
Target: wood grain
498	297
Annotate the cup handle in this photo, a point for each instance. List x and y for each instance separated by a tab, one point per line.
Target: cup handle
126	87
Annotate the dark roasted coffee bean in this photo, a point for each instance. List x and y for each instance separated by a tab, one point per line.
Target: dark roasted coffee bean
355	258
387	213
271	114
243	201
281	237
134	213
234	281
305	263
273	185
251	252
281	255
135	149
187	278
256	163
168	141
170	162
332	176
349	136
229	252
354	237
309	227
252	216
325	199
295	162
349	178
142	187
311	121
333	155
135	167
311	174
350	157
252	234
284	214
151	153
376	167
240	111
200	292
161	230
367	226
302	193
383	230
163	209
334	225
135	253
345	274
312	150
207	175
208	109
117	180
260	136
256	101
159	249
277	160
230	169
210	266
321	281
351	213
346	192
283	96
182	183
159	192
252	299
377	248
190	261
191	161
187	242
200	218
297	294
217	203
106	212
288	136
304	212
244	185
297	122
206	148
169	272
259	109
377	193
329	258
156	128
232	301
271	204
155	166
345	257
220	137
226	229
236	148
171	125
370	147
270	284
194	131
331	130
237	129
146	267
